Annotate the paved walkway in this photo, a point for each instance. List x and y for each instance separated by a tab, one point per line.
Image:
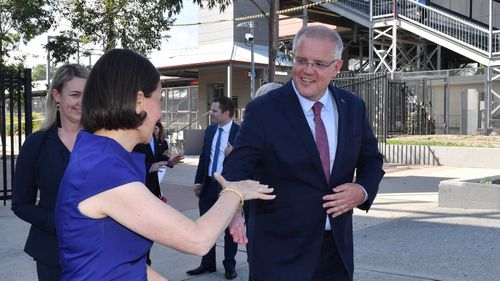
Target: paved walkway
404	237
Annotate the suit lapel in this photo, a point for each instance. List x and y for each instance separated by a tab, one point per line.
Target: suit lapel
211	133
209	136
155	145
341	130
293	110
232	133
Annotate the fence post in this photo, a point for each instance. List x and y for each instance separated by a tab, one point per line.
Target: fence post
28	118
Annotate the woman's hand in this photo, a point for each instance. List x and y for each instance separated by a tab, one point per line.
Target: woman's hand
175	160
158	165
250	189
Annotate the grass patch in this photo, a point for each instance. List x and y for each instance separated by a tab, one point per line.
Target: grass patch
437	143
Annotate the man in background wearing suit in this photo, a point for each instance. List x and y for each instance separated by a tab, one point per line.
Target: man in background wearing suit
217	144
306	140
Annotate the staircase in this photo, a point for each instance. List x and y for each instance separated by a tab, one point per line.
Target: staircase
436	25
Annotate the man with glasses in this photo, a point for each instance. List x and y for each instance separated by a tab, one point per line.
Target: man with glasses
306	140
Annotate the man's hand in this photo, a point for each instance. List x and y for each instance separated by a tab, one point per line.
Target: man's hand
175	160
237	228
197	190
228	149
346	197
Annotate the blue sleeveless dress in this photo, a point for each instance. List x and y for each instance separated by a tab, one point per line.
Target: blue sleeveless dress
98	249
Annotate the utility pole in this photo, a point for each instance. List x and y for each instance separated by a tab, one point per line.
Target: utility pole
273	38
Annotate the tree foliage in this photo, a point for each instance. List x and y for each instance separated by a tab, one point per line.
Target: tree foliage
139	25
23	20
107	24
39	72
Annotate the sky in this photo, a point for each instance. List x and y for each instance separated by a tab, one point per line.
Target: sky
180	39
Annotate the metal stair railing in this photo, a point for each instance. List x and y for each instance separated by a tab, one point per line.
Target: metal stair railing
380	8
192	122
178	145
449	25
466	33
362	6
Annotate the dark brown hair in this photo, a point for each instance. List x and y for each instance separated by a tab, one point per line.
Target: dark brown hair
110	96
225	104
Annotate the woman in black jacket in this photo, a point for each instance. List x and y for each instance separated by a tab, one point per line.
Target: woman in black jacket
41	164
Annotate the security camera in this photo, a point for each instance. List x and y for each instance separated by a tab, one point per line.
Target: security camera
249	37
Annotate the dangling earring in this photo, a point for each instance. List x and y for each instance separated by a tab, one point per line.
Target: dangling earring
58	117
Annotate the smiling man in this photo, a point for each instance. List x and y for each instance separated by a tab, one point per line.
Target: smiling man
306	139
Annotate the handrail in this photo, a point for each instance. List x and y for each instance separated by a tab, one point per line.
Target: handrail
456	29
193	121
362	6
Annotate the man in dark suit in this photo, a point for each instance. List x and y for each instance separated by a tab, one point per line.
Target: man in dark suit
217	144
306	140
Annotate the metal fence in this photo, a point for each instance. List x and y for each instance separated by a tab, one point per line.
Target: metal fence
373	89
392	109
15	121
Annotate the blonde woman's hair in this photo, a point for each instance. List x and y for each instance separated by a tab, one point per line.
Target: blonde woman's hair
264	89
64	74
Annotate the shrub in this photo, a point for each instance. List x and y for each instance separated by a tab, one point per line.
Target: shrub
37	122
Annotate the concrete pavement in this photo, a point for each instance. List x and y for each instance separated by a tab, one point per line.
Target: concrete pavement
404	237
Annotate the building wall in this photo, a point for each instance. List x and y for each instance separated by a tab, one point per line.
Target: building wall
480	9
457	86
227	31
240	89
214	33
207	78
246	8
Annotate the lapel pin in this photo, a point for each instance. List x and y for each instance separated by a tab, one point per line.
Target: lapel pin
342	100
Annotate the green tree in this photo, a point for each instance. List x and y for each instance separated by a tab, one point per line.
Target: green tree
134	24
39	72
23	20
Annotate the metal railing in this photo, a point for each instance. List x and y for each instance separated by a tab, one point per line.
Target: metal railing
436	20
391	111
15	99
362	6
177	135
449	25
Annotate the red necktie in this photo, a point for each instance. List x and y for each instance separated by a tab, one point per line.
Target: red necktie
321	139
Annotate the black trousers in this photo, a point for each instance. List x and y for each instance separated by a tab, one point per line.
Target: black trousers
208	198
47	272
330	266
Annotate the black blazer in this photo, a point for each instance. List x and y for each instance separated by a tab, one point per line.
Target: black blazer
285	234
39	169
204	161
151	157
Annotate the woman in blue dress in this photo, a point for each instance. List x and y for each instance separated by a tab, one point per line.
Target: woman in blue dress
106	218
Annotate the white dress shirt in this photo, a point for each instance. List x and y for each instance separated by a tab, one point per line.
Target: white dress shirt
223	144
330	117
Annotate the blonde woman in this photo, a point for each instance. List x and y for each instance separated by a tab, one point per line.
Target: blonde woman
41	164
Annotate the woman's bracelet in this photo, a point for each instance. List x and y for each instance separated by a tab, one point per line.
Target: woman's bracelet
242	200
